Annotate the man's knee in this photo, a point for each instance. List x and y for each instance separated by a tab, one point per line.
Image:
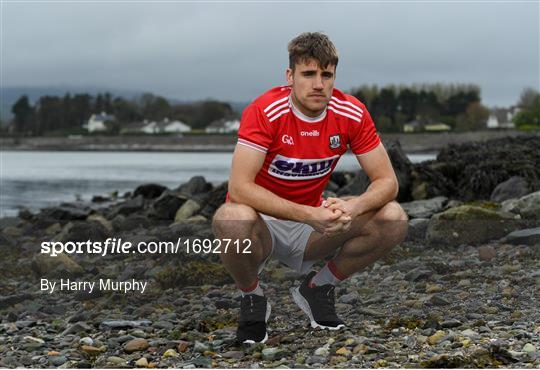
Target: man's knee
234	212
238	221
234	220
392	222
392	212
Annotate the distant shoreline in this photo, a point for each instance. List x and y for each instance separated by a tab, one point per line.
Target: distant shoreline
411	143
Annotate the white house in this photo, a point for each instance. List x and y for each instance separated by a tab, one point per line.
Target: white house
223	126
413	126
417	126
150	127
144	127
502	117
437	126
133	128
153	127
232	125
97	122
173	126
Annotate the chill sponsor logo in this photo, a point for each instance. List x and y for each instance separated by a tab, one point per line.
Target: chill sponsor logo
310	133
286	139
300	169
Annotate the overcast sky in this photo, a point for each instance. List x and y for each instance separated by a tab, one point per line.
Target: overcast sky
236	51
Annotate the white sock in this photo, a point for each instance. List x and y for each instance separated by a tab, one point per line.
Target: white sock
255	288
327	275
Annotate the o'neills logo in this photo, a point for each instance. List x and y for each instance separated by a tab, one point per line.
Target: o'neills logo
309	133
300	169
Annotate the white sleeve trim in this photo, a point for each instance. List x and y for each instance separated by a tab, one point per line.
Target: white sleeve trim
251	145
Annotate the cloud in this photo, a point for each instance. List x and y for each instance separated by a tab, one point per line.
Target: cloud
235	51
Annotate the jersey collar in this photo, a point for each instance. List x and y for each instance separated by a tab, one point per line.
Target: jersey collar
302	116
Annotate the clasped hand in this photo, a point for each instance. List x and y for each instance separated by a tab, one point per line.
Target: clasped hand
334	217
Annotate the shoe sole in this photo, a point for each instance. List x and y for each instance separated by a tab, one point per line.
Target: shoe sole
304	306
268	311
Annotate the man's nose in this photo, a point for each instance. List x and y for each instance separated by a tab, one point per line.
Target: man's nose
318	83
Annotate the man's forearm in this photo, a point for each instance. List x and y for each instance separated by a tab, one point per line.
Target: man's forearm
379	193
264	201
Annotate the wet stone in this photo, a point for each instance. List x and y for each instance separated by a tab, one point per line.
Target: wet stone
233	354
437	300
453	323
486	253
348	298
134	345
200	347
57	360
316	360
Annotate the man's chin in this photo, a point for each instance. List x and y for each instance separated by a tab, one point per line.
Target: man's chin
319	108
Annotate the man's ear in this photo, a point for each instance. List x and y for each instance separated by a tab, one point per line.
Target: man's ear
289	76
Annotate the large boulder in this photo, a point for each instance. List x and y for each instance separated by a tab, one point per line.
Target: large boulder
341	178
188	209
469	212
179	229
417	230
526	236
429	181
60	266
402	167
514	187
476	168
215	199
166	205
424	208
128	207
66	211
468	224
360	182
102	220
149	191
356	186
81	231
527	206
195	185
131	222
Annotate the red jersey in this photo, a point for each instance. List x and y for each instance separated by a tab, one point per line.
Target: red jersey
301	152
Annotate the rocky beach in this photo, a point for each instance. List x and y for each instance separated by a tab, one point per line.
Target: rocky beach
461	291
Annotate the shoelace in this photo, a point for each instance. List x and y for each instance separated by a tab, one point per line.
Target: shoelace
325	297
251	310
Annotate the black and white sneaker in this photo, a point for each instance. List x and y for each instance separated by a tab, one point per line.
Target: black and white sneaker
254	313
318	303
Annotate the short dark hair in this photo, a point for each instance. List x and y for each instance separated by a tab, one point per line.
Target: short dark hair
312	45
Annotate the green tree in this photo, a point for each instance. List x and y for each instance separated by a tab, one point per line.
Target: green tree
385	124
23	119
125	111
458	103
99	105
209	111
49	114
477	115
529	115
366	94
385	104
154	107
407	103
427	106
82	109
